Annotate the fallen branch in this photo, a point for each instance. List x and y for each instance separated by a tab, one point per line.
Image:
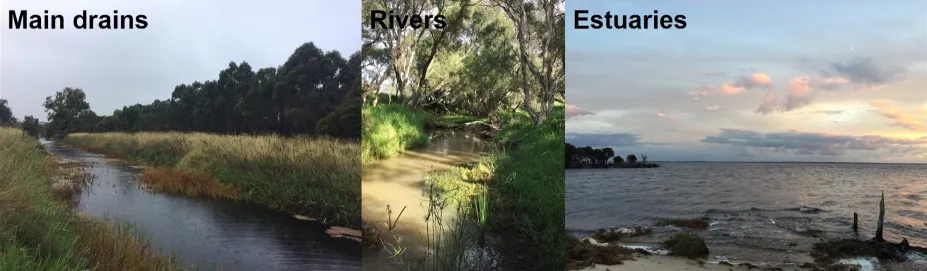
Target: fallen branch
472	123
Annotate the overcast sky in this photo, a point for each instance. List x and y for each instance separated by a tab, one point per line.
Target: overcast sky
754	81
185	41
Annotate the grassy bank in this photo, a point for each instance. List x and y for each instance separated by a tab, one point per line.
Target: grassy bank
317	177
38	231
390	129
523	186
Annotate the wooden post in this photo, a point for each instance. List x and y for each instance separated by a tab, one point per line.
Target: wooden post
855	222
878	235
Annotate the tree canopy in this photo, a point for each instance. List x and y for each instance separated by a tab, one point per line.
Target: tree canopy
589	157
493	55
313	93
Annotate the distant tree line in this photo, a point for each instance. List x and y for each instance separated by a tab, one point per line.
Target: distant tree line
312	93
30	125
589	157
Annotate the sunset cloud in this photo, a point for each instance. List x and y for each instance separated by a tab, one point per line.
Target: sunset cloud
575	111
733	87
665	116
603	139
808	143
897	116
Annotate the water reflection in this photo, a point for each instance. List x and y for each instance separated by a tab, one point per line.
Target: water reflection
210	234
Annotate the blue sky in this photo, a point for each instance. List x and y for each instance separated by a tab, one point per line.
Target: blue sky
754	81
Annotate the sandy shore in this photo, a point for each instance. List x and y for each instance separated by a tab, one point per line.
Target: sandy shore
667	263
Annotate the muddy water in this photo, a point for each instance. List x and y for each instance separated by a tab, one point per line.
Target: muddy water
210	234
398	182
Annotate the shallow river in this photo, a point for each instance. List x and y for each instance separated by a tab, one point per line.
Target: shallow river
398	182
209	234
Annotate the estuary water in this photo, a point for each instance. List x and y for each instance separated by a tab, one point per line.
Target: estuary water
759	212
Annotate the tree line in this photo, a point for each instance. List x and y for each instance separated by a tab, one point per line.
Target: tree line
589	157
493	55
313	93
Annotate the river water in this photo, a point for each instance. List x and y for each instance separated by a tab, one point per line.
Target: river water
399	182
209	234
754	208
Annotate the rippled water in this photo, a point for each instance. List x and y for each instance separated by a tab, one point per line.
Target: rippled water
210	234
754	207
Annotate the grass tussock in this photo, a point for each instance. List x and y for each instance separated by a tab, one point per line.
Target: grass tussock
318	177
390	129
187	183
692	223
38	231
526	194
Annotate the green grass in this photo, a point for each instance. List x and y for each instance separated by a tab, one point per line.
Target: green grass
390	129
525	188
38	231
318	177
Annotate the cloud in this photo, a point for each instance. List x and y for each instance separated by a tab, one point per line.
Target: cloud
603	140
714	74
800	93
865	71
665	116
770	103
575	111
807	143
830	112
897	115
712	108
733	87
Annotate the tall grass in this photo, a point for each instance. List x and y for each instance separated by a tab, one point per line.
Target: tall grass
527	193
517	192
390	129
318	177
39	232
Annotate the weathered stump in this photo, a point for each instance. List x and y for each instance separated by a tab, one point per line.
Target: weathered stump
878	234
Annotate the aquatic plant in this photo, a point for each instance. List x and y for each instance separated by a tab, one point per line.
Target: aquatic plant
38	230
581	253
686	244
318	177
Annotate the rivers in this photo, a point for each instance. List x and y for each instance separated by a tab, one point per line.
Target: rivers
399	182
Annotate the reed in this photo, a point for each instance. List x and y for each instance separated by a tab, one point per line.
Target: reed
318	177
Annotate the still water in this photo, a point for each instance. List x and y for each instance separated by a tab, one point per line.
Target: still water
209	234
399	182
755	209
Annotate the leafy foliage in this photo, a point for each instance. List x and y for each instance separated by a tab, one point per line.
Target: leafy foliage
312	93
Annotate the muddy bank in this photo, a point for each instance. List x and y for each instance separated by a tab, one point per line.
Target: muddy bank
204	233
